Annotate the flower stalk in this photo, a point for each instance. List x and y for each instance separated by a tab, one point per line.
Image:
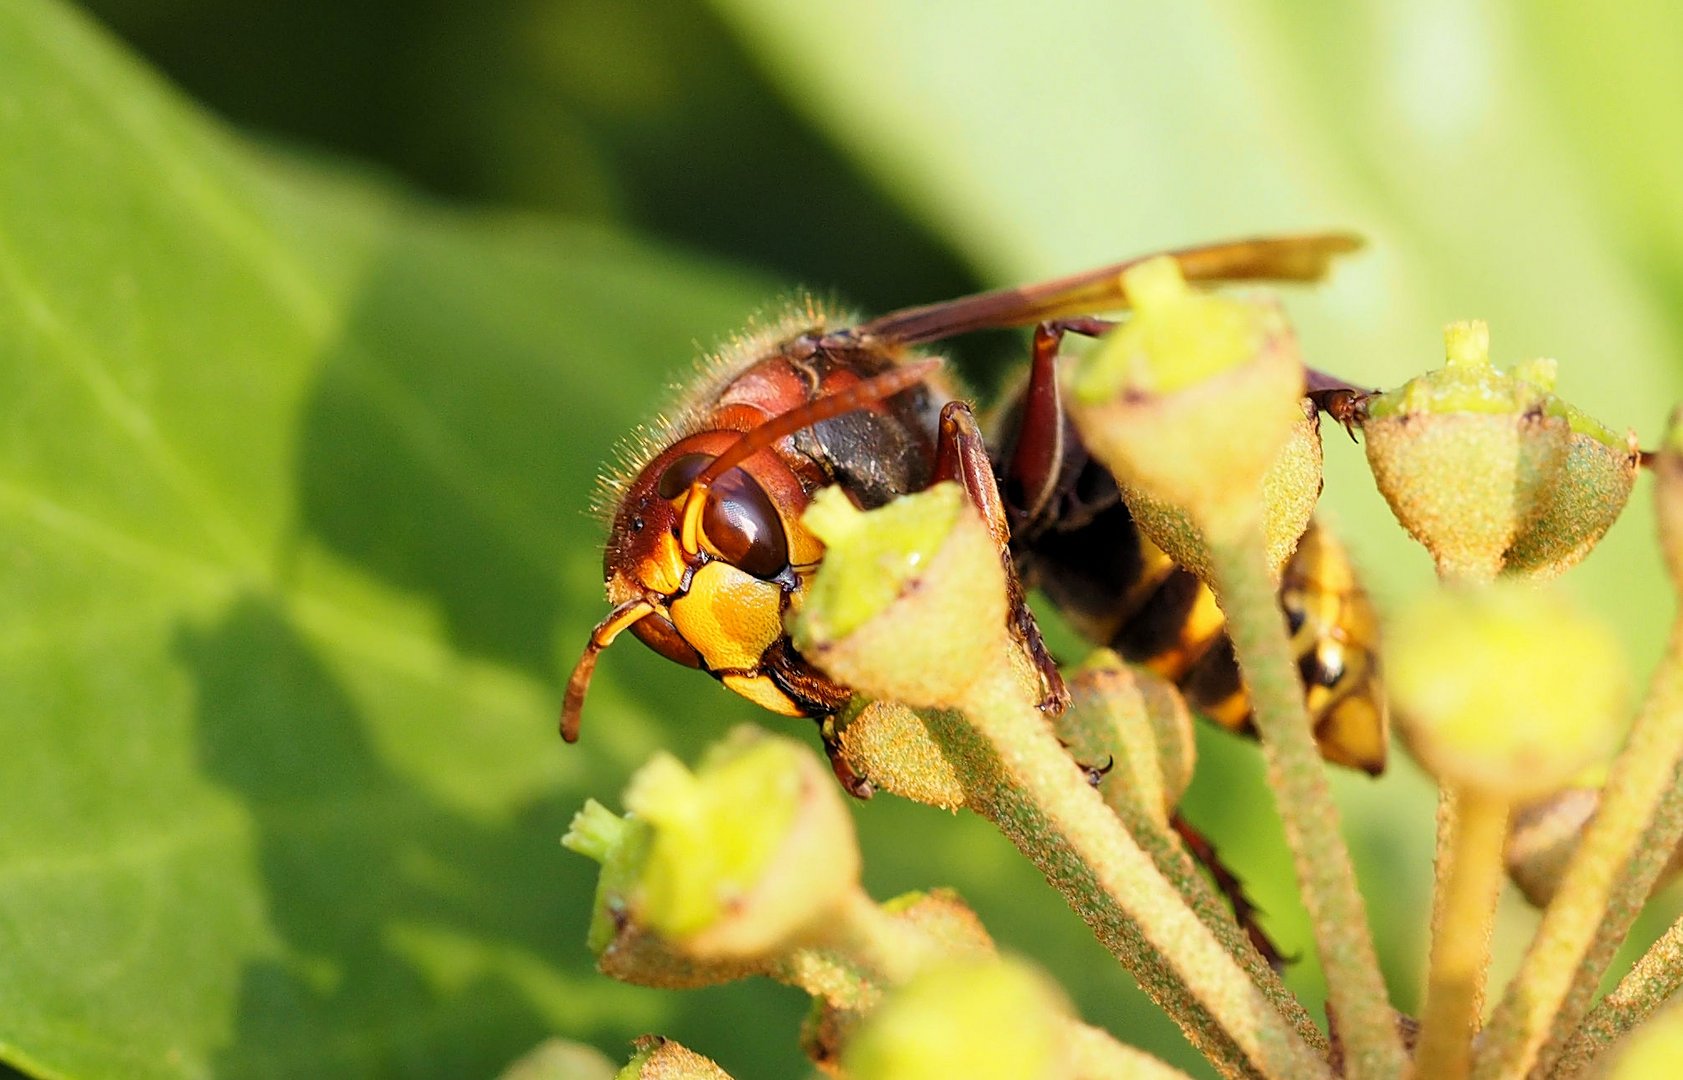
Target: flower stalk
1355	990
1461	941
1014	771
1205	445
1644	990
1625	848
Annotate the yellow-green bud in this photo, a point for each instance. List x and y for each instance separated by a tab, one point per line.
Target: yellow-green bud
1505	690
943	917
1490	470
1141	721
909	603
1543	835
888	742
946	927
982	1020
659	1058
741	859
1190	403
1594	484
621	846
1290	489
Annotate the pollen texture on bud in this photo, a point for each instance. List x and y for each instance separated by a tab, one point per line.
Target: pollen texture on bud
910	601
1139	720
659	1058
740	859
1191	401
1490	470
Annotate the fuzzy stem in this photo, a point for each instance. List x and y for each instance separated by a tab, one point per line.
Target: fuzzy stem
1646	987
1019	776
1098	1055
1356	993
1443	855
1461	941
1624	848
1178	866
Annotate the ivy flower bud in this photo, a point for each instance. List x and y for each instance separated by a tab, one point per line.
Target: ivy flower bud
945	926
659	1058
1594	484
1192	401
1140	721
888	742
745	858
1506	690
910	601
1290	489
1543	836
1490	470
979	1019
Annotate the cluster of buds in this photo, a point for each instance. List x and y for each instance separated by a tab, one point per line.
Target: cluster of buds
1509	698
748	867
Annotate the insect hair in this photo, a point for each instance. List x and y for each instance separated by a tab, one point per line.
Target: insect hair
691	400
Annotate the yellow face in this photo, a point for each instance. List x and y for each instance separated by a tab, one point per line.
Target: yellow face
720	607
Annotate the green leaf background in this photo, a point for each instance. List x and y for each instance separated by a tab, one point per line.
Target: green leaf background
311	349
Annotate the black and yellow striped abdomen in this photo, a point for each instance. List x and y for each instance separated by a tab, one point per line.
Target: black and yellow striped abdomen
1119	589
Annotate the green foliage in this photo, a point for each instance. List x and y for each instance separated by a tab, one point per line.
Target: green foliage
290	516
291	547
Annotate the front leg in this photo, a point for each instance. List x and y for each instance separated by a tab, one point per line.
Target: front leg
1343	401
961	455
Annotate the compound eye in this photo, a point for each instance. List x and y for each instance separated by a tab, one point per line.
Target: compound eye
742	525
661	636
679	475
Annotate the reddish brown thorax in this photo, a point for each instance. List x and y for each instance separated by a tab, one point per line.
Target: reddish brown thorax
704	575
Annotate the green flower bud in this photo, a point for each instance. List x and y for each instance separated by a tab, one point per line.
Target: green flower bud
1490	470
947	926
741	859
1591	490
888	742
621	846
910	602
1290	489
660	1058
976	1019
1191	402
1505	690
944	918
1543	836
1138	719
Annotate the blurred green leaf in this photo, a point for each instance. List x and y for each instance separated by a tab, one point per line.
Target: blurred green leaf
291	466
292	553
